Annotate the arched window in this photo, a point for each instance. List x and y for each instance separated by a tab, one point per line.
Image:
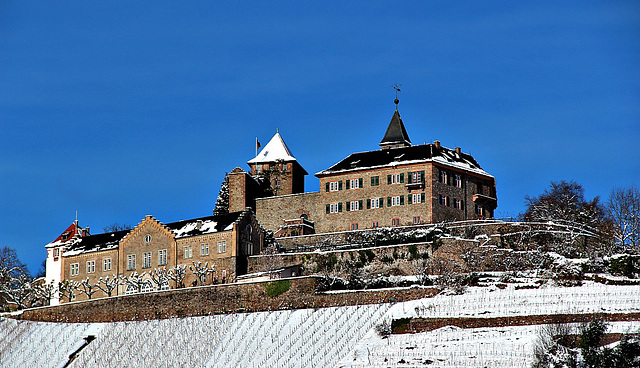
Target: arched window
147	286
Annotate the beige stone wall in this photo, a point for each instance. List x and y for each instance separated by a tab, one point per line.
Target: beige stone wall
272	211
364	218
99	271
223	262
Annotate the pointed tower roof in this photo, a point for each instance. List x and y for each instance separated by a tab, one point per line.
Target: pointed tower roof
396	135
275	150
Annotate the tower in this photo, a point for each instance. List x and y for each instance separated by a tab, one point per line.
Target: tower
278	168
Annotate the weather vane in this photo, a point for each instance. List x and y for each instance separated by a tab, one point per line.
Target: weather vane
397	88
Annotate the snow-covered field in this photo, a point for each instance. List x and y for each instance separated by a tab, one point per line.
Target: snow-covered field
316	338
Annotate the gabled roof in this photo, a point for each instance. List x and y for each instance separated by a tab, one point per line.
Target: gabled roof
405	156
396	133
181	229
275	150
67	236
95	243
203	225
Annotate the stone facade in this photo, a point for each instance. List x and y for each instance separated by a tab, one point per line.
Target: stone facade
399	185
152	246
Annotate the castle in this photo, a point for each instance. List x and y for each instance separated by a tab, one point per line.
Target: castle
399	184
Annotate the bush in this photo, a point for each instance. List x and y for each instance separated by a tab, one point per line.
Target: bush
276	288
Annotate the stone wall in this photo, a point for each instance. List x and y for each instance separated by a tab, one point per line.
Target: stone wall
272	211
295	293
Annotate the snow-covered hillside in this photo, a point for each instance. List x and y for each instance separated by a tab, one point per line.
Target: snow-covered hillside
325	337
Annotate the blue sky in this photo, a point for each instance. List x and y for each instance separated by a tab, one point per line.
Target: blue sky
119	110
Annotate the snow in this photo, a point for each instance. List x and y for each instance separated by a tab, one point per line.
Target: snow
464	165
325	337
206	227
275	150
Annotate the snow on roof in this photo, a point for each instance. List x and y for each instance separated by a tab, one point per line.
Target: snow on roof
181	229
406	156
275	150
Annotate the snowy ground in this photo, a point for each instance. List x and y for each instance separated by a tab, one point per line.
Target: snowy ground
316	338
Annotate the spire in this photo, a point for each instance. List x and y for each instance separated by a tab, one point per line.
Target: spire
276	149
396	135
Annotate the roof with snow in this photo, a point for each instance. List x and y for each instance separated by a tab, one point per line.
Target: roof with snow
275	150
396	133
67	236
406	156
181	229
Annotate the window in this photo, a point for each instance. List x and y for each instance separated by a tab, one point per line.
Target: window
479	188
442	200
354	183
147	239
162	257
416	198
395	178
56	252
354	205
374	224
458	181
91	266
416	220
479	210
147	287
188	253
395	222
334	207
75	269
415	177
375	181
146	260
334	186
131	262
204	249
354	226
397	201
374	203
443	177
222	246
106	264
456	203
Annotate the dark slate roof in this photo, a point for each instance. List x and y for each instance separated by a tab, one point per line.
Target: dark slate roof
181	229
209	224
405	156
95	243
396	133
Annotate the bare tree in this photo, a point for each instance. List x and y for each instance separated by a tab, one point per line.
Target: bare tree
67	289
177	274
201	272
108	284
19	291
271	260
88	288
160	277
136	281
624	210
44	293
116	227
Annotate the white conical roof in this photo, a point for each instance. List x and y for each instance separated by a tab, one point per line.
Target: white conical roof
275	150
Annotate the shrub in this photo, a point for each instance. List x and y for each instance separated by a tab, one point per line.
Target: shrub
276	288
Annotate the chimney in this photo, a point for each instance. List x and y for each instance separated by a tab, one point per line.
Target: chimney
437	144
459	150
